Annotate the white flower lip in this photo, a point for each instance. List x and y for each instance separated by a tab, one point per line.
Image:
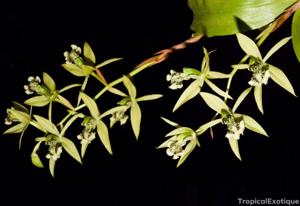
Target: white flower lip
176	79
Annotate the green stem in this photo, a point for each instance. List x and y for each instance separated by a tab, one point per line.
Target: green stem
50	111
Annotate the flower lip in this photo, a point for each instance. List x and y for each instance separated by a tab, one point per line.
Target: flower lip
176	79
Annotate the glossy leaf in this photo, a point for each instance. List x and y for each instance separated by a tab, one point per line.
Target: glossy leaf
88	53
278	76
189	93
214	102
296	33
219	18
149	97
248	46
49	82
276	47
91	105
70	148
258	98
135	118
234	145
18	128
37	101
73	69
130	87
251	124
46	125
104	135
241	98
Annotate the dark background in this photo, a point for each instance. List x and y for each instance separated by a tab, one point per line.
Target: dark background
33	39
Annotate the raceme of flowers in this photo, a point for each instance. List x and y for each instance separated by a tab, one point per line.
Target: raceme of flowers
180	142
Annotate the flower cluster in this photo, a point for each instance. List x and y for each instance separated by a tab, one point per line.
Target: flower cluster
9	118
260	74
176	79
118	116
73	57
88	134
54	148
235	125
33	84
175	146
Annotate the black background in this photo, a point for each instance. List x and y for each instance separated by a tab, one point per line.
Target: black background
33	39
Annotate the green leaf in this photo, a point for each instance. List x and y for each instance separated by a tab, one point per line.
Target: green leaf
179	130
49	82
207	125
280	78
219	18
15	129
73	69
189	93
248	46
35	159
276	47
66	88
104	136
46	125
149	97
251	124
91	105
214	102
216	89
70	148
130	87
241	98
106	62
296	33
258	98
234	145
52	166
87	70
135	118
37	101
174	124
20	116
217	75
88	53
187	151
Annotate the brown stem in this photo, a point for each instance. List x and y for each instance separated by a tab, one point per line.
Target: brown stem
165	53
283	17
